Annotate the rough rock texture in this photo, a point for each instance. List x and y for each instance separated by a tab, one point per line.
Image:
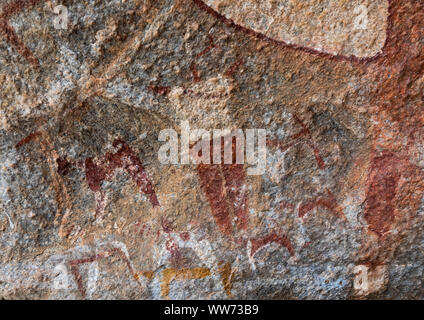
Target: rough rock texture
87	211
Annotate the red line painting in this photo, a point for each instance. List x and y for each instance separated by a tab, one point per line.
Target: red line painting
28	139
8	33
283	241
170	245
303	136
195	73
211	46
74	266
328	202
233	68
193	66
103	168
225	188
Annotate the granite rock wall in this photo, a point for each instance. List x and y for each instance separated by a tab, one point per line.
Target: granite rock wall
88	210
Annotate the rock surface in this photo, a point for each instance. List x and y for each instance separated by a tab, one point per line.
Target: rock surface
87	211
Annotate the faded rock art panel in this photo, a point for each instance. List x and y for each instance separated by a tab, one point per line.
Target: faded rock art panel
88	211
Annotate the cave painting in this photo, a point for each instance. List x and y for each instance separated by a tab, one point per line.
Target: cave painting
8	33
103	168
396	68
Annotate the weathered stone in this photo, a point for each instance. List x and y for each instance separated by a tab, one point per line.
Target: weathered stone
87	210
